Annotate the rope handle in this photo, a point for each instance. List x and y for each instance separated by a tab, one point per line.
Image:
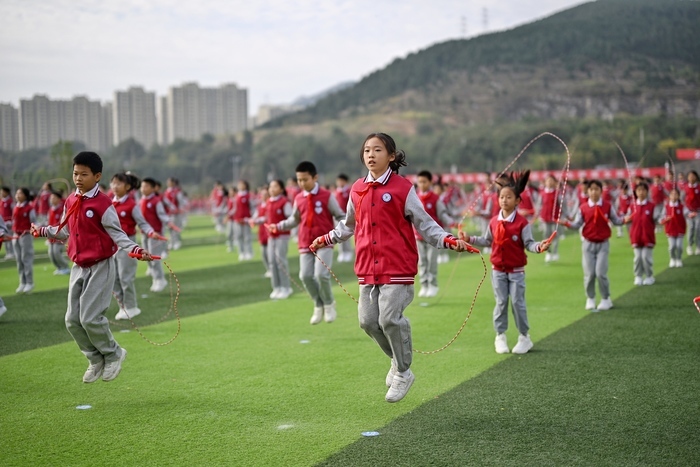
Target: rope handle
140	256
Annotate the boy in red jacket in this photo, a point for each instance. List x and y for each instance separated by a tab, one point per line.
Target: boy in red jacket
509	234
91	225
382	209
643	217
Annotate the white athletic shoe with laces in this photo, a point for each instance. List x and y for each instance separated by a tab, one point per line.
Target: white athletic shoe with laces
128	313
501	343
638	280
317	316
590	304
524	344
649	281
400	386
605	304
93	373
390	375
432	291
329	313
112	369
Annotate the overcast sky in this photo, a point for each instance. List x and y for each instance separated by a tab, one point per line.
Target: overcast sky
277	49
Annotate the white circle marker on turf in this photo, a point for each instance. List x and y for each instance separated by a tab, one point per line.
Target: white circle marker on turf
424	304
370	434
304	342
285	427
83	407
124	330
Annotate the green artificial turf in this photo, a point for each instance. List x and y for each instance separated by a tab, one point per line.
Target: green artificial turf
250	382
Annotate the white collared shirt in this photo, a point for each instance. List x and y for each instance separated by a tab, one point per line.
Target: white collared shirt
510	218
383	179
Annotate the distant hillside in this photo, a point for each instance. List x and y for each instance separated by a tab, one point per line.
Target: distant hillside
638	57
307	101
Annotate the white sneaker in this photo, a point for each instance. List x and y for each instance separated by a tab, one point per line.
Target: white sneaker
524	344
697	251
423	291
317	316
159	285
112	369
605	304
93	373
275	294
28	288
555	256
638	280
689	250
329	313
3	309
177	245
267	274
128	313
679	263
149	272
672	263
590	304
9	257
400	386
284	293
432	291
392	372
649	281
20	289
501	343
547	257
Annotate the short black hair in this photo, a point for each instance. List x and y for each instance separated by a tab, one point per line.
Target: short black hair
306	166
149	181
425	174
6	189
90	160
594	182
343	177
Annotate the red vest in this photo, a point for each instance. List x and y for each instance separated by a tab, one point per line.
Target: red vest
42	203
148	209
623	203
89	243
342	196
316	219
171	195
657	192
429	200
692	197
508	248
596	228
6	209
126	218
242	208
263	234
386	251
642	229
55	213
275	214
675	225
20	218
548	212
526	207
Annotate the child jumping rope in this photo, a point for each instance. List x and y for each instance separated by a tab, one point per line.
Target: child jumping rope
278	209
130	217
154	212
381	213
509	234
675	226
91	225
314	211
643	216
595	216
23	216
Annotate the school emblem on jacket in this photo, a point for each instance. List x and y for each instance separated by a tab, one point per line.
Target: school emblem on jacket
386	197
319	207
148	205
429	205
646	212
123	214
89	213
515	238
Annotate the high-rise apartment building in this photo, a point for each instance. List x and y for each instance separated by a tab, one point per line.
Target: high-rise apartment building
9	128
43	122
162	115
193	111
134	116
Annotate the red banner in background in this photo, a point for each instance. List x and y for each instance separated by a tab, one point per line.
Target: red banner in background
689	154
574	175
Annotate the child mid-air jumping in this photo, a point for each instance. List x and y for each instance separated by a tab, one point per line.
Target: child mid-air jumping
91	225
381	213
509	234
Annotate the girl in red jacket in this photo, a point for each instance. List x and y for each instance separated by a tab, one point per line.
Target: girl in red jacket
381	213
57	250
509	234
675	226
692	202
643	217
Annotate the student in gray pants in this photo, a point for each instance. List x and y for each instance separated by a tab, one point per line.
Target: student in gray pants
23	217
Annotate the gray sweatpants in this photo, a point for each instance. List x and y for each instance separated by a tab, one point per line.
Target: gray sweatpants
265	259
693	224
345	247
124	288
595	265
157	248
24	256
549	228
89	294
427	263
277	248
175	235
675	247
644	262
380	313
243	238
9	251
316	277
230	235
511	285
57	255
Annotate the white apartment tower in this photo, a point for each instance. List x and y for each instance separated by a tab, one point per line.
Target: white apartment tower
193	111
9	128
134	116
